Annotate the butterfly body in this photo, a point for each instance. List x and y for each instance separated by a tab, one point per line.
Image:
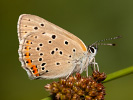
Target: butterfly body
47	51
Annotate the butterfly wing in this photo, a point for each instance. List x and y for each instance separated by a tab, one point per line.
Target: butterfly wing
30	23
46	50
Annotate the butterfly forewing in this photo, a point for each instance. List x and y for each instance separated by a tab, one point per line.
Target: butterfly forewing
46	50
29	23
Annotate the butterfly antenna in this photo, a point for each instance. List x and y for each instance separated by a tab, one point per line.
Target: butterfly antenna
110	44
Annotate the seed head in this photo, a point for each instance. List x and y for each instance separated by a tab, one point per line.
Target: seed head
78	88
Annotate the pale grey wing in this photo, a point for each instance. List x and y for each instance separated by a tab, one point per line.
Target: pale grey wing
48	55
30	23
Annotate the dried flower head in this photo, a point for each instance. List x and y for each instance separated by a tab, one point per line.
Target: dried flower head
79	88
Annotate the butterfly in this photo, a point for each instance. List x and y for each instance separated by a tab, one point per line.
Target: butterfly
47	51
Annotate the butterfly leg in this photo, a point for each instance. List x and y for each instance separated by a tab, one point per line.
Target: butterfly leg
96	67
87	72
86	66
68	75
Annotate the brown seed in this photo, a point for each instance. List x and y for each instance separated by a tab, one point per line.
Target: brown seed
75	89
54	90
58	95
83	85
69	84
78	76
71	79
61	87
55	84
68	90
88	97
99	87
100	97
102	77
63	97
92	93
78	83
48	87
80	93
87	88
64	90
63	81
76	97
68	96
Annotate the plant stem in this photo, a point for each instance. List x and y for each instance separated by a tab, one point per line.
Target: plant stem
119	74
47	98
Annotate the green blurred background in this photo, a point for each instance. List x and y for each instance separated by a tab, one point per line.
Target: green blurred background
90	20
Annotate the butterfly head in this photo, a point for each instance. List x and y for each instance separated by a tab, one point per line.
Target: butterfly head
92	49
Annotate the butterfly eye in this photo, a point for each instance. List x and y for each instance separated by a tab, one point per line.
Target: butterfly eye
92	50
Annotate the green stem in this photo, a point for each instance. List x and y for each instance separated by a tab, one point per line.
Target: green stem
111	76
119	74
47	98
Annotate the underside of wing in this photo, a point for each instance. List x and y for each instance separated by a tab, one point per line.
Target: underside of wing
30	23
46	50
48	55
